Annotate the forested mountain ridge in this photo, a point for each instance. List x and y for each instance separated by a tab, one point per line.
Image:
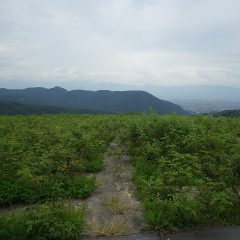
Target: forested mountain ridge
102	100
15	108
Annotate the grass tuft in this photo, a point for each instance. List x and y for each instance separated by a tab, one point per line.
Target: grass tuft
116	226
115	204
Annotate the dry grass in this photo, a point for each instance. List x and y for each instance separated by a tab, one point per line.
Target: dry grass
115	204
116	226
117	151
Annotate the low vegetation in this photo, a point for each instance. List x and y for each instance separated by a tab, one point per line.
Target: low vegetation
47	221
48	157
187	171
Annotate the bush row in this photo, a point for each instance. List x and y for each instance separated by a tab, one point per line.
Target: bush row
187	169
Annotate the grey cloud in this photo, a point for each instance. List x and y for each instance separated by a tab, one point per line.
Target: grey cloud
120	41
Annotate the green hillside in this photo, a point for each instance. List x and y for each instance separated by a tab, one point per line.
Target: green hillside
102	101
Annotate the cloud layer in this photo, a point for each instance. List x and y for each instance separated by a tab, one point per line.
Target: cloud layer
174	42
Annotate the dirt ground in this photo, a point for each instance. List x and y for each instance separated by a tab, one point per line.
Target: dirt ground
112	209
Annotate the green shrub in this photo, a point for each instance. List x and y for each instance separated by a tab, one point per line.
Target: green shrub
80	186
40	154
94	165
43	222
13	227
186	169
172	214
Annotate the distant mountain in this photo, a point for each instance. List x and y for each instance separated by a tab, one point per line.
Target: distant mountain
170	93
15	108
203	92
103	100
228	113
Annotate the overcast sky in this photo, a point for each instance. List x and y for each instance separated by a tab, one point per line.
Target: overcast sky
136	42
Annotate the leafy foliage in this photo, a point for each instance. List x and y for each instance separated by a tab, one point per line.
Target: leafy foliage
186	169
47	157
47	221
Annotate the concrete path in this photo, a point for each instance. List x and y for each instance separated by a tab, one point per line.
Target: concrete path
218	233
139	236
